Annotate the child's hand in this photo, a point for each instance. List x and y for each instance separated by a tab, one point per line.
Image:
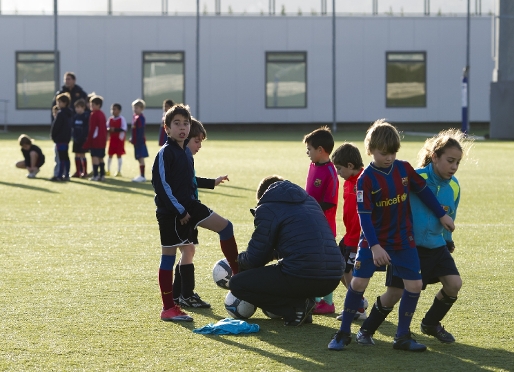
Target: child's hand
447	223
185	220
380	256
221	179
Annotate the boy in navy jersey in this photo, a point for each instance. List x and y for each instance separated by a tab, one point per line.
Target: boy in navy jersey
386	221
323	185
178	210
80	131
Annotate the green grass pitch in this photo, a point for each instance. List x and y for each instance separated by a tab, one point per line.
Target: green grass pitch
79	262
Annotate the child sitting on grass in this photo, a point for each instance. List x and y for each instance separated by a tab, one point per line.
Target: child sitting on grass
32	154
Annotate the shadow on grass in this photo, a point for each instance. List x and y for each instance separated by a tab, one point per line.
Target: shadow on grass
117	185
311	340
28	187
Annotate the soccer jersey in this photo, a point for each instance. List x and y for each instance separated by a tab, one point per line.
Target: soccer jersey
350	216
384	193
97	135
117	127
40	156
323	185
138	130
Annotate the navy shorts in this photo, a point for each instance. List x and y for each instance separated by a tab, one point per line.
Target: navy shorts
77	147
173	234
435	263
98	153
405	264
140	152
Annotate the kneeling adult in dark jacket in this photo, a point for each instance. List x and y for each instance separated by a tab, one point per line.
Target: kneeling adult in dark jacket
291	227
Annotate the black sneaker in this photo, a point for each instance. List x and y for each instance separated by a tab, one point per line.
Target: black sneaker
407	343
364	338
302	313
438	332
193	301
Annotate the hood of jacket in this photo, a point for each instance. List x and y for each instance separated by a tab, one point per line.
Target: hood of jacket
284	192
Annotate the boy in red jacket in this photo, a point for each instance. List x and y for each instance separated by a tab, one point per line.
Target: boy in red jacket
97	138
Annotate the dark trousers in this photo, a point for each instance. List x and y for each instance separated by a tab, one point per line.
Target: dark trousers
270	289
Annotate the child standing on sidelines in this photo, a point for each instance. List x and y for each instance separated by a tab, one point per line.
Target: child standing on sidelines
80	132
97	138
178	211
383	206
323	185
184	283
438	161
117	128
348	162
61	135
166	105
138	138
32	154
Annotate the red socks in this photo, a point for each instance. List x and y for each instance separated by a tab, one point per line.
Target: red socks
229	249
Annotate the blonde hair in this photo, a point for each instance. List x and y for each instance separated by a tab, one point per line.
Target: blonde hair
440	142
139	103
24	140
382	136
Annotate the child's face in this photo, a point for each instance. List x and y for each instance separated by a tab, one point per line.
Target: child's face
165	108
61	104
344	172
94	106
80	110
137	110
195	144
448	163
179	128
25	146
115	111
382	159
314	154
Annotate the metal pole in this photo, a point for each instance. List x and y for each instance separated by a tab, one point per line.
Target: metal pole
334	122
109	7
468	66
56	50
198	59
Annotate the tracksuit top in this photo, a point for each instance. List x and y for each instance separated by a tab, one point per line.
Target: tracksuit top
428	231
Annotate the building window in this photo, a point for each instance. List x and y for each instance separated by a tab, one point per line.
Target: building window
35	83
163	78
286	79
406	79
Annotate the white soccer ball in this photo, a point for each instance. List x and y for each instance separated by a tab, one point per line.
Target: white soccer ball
271	315
221	273
237	308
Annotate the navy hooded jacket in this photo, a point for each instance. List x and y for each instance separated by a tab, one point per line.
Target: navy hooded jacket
290	226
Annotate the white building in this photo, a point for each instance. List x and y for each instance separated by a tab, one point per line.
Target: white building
253	69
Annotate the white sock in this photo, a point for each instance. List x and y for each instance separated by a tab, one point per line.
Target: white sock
120	161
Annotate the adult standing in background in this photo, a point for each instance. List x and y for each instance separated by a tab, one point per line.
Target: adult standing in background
76	92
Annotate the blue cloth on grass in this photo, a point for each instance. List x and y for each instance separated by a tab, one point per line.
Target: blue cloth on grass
228	326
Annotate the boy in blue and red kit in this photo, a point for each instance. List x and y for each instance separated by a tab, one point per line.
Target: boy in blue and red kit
178	211
97	138
348	162
323	185
386	221
138	138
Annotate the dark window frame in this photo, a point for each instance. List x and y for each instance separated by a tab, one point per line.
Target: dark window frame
183	61
16	61
286	61
424	53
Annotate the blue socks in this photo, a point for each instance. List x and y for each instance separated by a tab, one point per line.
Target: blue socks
352	303
167	262
408	305
227	232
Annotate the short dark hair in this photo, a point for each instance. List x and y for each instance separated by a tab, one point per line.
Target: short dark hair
320	137
347	153
80	103
178	109
97	100
64	98
197	129
24	140
70	74
168	102
265	183
116	105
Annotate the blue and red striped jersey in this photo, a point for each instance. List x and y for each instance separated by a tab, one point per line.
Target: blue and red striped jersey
384	193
